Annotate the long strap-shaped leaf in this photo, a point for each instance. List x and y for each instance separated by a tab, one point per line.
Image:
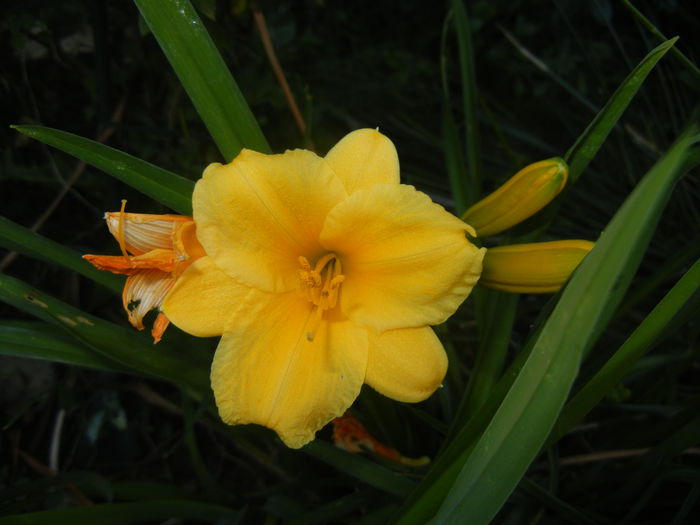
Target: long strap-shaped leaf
204	75
360	468
125	346
425	500
539	382
159	184
44	341
585	148
23	240
646	335
529	410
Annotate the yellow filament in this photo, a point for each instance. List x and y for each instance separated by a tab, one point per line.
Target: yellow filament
120	230
320	286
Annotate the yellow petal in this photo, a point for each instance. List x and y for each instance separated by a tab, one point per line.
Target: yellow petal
541	267
203	299
258	214
407	364
363	158
186	248
144	291
523	195
406	261
144	232
266	371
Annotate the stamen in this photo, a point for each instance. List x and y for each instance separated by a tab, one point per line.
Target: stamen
320	286
323	261
120	230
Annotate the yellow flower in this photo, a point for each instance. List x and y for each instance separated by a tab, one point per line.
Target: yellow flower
523	195
540	267
321	274
156	249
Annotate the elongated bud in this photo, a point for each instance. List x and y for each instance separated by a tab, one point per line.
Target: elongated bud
540	267
523	195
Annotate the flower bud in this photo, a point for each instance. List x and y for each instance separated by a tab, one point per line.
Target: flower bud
540	267
523	195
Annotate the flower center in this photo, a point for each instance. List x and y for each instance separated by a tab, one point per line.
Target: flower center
321	286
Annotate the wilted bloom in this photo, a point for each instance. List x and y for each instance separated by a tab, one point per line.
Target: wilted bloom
541	267
351	435
523	195
321	274
156	249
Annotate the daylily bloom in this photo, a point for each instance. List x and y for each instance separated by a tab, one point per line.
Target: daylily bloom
156	249
523	195
321	274
351	435
540	267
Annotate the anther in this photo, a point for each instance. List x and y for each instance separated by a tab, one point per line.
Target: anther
320	286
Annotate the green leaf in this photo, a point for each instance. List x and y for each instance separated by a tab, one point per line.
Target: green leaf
126	346
454	160
124	513
204	75
641	340
470	96
24	241
336	511
43	341
463	169
587	145
491	467
518	429
690	66
495	328
565	510
159	184
358	467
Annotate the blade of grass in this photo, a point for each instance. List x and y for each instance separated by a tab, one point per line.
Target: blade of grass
161	185
204	75
587	145
360	468
125	346
539	64
571	514
689	64
336	511
487	366
23	240
445	468
529	410
489	471
454	161
42	341
671	267
470	95
680	434
497	315
454	157
124	513
642	339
